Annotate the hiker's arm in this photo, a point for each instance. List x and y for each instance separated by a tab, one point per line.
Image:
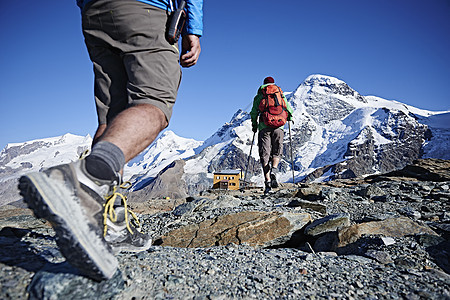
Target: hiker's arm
190	50
289	109
192	31
255	111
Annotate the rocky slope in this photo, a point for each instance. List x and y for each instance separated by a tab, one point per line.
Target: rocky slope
382	237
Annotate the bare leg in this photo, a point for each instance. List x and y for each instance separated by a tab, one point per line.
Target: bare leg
98	134
266	171
135	129
275	161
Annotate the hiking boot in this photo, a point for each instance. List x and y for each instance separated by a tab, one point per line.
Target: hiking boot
126	236
273	180
268	187
72	201
121	234
273	177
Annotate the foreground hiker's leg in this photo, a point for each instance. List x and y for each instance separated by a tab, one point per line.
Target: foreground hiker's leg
135	129
98	134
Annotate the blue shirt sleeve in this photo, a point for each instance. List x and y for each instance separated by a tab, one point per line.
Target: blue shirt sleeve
194	24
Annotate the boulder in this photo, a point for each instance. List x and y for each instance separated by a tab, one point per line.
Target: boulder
328	224
310	192
344	240
395	227
371	191
321	208
380	256
254	228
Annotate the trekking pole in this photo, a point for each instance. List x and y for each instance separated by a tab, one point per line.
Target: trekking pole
292	156
248	161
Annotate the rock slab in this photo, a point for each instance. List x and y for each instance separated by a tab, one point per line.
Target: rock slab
394	227
254	228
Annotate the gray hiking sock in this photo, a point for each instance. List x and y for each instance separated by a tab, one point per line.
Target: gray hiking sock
105	161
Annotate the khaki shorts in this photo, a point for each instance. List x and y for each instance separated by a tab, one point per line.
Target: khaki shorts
270	144
133	62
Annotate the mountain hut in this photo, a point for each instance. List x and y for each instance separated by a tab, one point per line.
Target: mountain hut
227	179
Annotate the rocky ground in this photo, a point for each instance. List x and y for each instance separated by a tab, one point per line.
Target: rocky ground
382	237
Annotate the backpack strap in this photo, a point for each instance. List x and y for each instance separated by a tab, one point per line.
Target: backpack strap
265	96
284	101
275	97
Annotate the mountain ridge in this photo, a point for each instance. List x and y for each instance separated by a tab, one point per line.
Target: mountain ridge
336	133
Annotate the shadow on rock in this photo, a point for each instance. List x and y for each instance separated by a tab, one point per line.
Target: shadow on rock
14	251
438	248
60	281
298	239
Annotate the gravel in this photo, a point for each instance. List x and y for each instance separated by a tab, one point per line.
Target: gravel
31	265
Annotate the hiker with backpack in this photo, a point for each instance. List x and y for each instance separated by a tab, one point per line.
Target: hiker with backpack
269	114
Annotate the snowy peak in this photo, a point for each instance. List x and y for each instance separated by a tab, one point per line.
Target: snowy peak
324	99
67	139
322	80
317	81
227	131
20	158
330	86
167	148
230	130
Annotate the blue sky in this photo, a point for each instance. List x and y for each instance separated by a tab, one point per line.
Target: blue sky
394	49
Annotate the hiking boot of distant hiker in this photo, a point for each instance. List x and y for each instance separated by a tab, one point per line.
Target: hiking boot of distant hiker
268	188
124	235
72	201
273	178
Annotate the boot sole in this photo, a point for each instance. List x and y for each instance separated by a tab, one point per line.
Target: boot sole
117	248
81	246
126	245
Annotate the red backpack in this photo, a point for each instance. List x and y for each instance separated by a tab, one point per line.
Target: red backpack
273	107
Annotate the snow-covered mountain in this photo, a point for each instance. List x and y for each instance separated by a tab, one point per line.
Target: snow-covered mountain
340	133
336	133
162	152
19	158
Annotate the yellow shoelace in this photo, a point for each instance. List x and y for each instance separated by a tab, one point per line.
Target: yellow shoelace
84	154
111	199
109	208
